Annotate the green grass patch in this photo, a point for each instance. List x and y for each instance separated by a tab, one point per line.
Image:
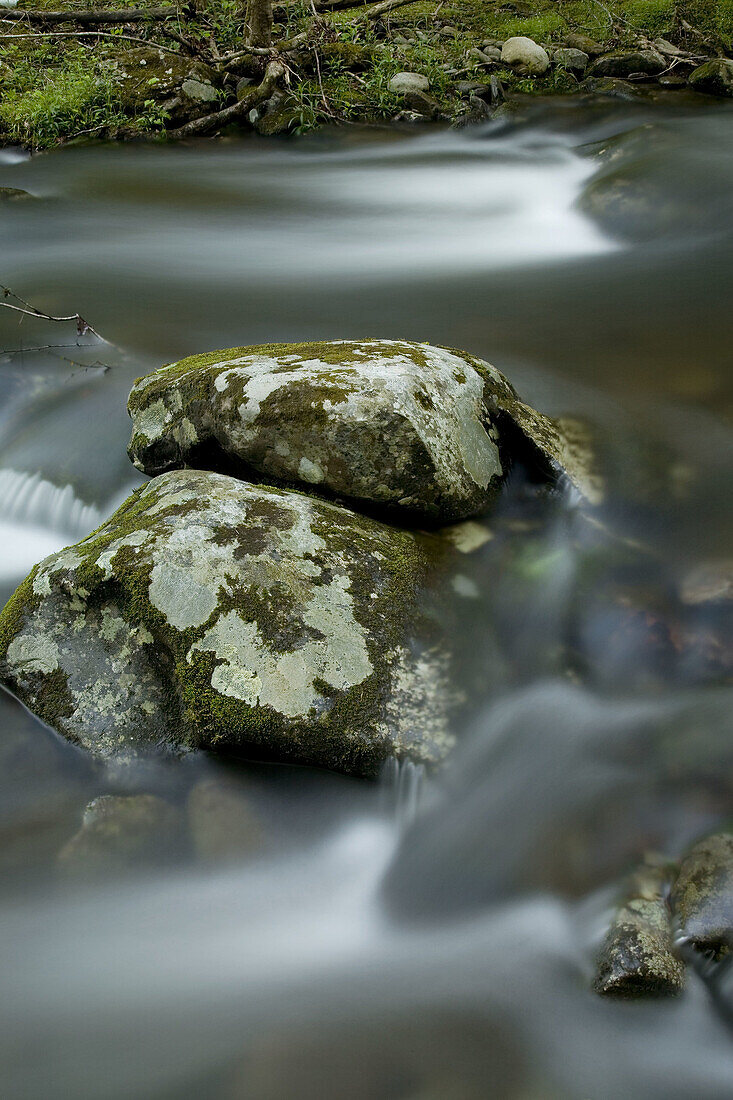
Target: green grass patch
41	102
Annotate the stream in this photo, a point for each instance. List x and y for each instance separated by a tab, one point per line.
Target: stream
425	937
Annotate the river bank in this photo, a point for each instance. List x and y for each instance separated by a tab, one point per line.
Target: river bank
122	72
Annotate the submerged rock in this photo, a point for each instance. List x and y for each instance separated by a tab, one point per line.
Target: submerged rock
122	831
636	959
211	613
12	194
702	896
708	583
389	422
222	824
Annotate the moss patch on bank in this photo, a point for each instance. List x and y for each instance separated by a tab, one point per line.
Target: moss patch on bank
54	86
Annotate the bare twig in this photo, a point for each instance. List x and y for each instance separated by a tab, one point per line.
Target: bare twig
28	310
89	34
326	104
39	347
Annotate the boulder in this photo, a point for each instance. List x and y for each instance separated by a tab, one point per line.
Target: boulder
405	83
420	103
575	61
525	55
611	87
395	424
714	78
584	43
211	613
625	63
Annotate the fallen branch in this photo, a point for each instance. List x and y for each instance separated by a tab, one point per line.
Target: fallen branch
87	18
82	327
209	124
89	34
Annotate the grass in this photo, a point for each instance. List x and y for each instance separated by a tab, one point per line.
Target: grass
42	100
76	92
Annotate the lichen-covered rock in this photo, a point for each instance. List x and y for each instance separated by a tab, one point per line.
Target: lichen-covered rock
637	959
702	896
390	422
575	61
211	613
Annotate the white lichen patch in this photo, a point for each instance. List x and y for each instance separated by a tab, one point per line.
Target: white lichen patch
251	670
208	611
134	539
314	419
153	419
33	653
63	561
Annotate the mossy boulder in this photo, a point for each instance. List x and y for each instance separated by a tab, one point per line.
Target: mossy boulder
179	84
714	78
426	430
211	613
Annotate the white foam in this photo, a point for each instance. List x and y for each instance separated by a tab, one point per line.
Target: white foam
38	518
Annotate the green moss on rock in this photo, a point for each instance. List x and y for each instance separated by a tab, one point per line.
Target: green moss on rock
388	423
702	896
637	958
211	613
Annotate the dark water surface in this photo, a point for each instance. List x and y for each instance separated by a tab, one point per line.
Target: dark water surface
421	938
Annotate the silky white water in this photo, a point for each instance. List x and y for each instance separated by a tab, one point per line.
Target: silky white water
427	937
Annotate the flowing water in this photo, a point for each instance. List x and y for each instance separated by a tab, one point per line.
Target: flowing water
425	937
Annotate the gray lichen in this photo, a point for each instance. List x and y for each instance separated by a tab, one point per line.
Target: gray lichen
389	422
209	612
